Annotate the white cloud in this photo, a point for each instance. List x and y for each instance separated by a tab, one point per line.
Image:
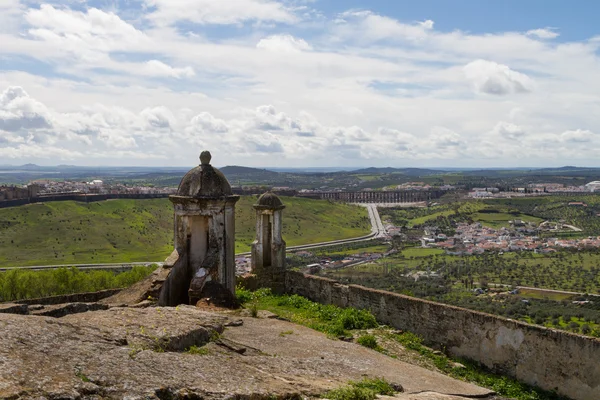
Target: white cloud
116	139
492	78
93	22
545	33
442	137
369	26
158	68
379	90
508	130
19	112
84	36
428	24
159	117
579	136
221	12
30	151
283	43
208	124
10	11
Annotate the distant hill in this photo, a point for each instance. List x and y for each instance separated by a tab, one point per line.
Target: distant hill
390	170
239	170
245	175
567	169
30	167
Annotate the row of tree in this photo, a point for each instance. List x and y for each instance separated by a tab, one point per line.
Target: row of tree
18	284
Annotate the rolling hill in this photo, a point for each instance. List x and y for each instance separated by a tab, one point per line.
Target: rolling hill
142	230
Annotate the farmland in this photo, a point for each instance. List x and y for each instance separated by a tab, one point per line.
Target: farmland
430	274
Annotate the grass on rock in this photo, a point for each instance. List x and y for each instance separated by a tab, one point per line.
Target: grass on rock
366	389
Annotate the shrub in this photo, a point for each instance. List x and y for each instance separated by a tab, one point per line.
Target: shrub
351	318
367	389
369	341
350	393
200	351
243	295
378	385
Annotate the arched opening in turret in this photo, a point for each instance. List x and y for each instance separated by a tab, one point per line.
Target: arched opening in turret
267	238
198	240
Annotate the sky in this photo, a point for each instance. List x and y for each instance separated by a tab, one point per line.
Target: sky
300	83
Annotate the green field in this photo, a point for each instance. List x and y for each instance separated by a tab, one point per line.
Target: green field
142	230
501	219
491	215
327	252
557	208
571	271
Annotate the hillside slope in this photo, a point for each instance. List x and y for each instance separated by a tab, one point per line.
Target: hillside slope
142	230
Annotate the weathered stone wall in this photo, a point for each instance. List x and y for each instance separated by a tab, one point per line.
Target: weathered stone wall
89	297
177	277
550	359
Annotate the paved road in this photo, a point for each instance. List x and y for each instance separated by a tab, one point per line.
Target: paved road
537	289
572	227
377	231
376	225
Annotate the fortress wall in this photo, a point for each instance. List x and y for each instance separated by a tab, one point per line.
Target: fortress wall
89	297
80	197
550	359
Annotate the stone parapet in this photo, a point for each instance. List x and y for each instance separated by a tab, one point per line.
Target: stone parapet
550	359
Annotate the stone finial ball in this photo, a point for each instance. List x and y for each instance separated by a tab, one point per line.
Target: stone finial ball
205	158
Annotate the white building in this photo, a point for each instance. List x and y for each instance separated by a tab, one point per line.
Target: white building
593	186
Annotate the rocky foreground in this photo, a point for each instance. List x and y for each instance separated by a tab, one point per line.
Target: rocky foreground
144	353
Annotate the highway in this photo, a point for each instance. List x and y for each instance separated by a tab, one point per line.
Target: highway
377	231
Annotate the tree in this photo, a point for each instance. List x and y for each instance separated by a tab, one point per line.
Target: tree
585	329
574	326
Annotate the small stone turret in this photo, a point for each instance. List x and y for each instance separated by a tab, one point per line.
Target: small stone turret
203	262
268	249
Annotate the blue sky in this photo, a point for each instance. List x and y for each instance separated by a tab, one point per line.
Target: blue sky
300	83
577	20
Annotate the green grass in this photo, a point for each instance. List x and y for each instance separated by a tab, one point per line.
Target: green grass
366	389
420	252
492	215
18	284
305	221
334	321
69	232
198	351
543	294
430	217
355	250
501	219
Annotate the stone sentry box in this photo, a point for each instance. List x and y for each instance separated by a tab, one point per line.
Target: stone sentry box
204	236
268	249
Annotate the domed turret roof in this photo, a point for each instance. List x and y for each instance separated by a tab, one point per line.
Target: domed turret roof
204	181
269	200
